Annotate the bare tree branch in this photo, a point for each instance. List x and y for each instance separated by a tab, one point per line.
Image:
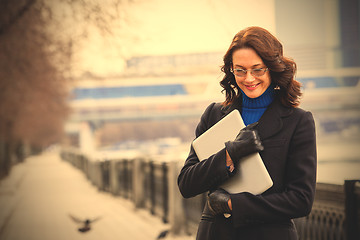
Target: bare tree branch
7	23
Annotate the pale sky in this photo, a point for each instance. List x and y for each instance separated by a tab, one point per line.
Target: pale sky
164	27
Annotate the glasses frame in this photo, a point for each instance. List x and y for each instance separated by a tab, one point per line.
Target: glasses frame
245	71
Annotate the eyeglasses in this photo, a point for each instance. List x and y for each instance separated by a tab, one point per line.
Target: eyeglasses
257	72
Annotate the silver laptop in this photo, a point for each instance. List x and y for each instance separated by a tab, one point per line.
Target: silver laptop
251	174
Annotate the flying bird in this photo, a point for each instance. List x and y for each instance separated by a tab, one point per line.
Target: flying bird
85	223
163	234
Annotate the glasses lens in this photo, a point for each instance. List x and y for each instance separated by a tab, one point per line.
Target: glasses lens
258	72
240	72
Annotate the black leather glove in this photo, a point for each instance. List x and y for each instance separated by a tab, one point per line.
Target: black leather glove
218	202
246	143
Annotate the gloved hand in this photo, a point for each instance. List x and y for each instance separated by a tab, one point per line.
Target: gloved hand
246	143
218	202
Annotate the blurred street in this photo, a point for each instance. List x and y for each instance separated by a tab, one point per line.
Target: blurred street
41	197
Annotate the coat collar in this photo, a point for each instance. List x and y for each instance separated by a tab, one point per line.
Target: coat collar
271	122
229	108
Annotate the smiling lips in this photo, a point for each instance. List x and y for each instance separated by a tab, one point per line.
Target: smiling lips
252	87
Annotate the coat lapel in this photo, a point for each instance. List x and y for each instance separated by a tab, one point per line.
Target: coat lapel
271	121
228	109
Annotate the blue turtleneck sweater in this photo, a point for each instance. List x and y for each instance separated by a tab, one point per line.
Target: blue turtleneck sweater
253	108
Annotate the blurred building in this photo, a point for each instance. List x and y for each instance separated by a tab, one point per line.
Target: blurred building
156	95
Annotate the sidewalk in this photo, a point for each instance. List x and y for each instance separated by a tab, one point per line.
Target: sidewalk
40	194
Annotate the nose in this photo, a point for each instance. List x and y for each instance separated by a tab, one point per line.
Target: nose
249	77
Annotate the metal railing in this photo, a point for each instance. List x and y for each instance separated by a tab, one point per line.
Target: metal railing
152	185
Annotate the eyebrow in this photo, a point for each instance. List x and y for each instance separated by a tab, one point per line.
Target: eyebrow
255	65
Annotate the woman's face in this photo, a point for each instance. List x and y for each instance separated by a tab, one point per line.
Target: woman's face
248	59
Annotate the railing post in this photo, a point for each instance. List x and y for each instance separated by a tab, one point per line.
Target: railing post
165	191
121	178
138	183
125	179
351	210
105	174
152	187
113	177
176	207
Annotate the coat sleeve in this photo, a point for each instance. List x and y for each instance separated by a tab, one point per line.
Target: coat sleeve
196	176
297	196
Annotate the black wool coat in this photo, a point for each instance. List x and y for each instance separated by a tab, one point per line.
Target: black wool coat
288	137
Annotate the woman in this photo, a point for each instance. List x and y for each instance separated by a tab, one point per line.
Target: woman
259	82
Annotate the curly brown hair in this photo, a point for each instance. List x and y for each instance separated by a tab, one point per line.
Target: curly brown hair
270	50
